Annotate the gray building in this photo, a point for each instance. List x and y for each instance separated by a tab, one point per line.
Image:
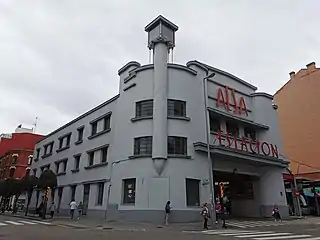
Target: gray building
127	157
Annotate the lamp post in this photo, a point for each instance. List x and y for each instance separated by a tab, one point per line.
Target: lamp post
207	117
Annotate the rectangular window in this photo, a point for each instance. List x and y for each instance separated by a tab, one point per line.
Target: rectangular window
68	138
177	146
77	162
142	146
176	108
37	153
106	122
90	158
129	191
48	148
144	108
193	192
64	164
232	129
60	143
104	154
250	133
80	134
73	192
100	193
214	124
57	167
94	128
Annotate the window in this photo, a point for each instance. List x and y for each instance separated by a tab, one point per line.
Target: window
104	154
68	140
232	129
143	146
100	193
129	191
214	124
64	142
250	133
177	146
28	171
90	158
64	165
37	153
14	158
176	108
192	192
11	173
60	143
77	161
57	167
73	189
144	108
94	128
80	134
30	157
106	123
45	168
48	149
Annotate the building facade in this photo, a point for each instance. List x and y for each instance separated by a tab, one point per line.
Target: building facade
128	156
16	152
298	118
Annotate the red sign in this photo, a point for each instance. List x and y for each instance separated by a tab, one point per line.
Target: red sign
228	100
248	145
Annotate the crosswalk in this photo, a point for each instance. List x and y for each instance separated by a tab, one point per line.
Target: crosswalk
265	223
22	222
258	235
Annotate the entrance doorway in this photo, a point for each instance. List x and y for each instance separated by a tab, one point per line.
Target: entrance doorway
236	191
86	194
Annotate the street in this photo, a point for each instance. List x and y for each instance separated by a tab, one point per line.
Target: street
14	228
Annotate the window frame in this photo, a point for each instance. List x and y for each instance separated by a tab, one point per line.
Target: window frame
231	133
197	197
125	199
145	142
100	193
104	154
144	108
176	108
177	140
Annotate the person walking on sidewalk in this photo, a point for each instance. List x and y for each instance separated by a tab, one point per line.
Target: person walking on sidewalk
52	209
205	214
73	207
80	207
167	212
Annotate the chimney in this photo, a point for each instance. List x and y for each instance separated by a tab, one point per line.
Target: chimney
311	66
292	74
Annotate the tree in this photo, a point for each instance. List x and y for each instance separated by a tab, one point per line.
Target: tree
47	180
29	184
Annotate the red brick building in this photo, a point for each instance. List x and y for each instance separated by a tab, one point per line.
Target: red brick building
16	151
299	120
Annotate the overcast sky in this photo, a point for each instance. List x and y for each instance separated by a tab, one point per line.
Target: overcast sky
60	58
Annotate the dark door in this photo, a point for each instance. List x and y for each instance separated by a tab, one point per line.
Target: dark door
86	193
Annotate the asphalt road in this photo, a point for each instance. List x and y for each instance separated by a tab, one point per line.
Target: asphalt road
12	228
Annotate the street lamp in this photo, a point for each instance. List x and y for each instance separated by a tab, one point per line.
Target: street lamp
207	117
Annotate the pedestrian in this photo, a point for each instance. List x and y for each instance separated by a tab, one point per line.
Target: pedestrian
218	211
223	213
276	213
73	207
205	214
80	207
167	212
52	209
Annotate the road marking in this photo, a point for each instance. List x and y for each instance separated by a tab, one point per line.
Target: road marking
283	237
243	233
3	224
260	236
226	232
45	223
250	234
13	223
313	238
26	222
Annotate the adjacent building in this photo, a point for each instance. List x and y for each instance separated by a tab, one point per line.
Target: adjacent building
127	157
299	116
16	152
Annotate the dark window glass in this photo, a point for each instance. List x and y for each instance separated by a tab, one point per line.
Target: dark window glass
100	193
77	162
144	108
176	108
214	124
65	163
143	146
80	134
11	173
104	154
106	123
57	167
129	191
14	159
250	133
73	192
91	158
28	172
177	146
60	143
232	129
68	140
193	192
37	153
94	128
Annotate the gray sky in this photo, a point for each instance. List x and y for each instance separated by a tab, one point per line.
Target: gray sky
60	58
